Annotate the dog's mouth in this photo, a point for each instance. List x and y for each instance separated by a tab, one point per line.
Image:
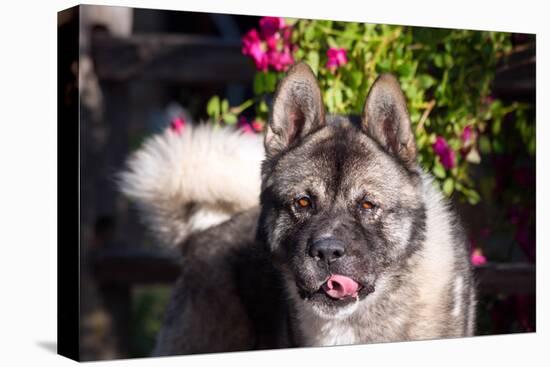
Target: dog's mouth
340	286
338	290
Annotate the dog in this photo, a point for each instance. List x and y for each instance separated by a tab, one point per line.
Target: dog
351	242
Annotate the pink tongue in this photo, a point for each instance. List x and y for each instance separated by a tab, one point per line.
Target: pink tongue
339	286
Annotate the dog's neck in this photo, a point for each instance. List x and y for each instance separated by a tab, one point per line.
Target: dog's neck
355	324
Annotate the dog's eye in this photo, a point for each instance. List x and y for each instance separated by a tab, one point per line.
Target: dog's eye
303	202
367	205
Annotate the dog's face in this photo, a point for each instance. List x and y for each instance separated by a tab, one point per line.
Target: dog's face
341	204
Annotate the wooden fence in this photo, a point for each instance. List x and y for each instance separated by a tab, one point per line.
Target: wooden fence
141	267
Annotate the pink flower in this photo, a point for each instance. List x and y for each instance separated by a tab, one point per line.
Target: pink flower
252	46
177	125
445	153
467	134
271	47
280	60
336	58
257	125
468	140
250	39
272	41
248	127
271	25
244	126
477	257
287	35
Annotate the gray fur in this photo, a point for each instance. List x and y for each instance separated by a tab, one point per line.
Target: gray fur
250	282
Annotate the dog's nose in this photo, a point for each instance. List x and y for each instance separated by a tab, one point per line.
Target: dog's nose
327	249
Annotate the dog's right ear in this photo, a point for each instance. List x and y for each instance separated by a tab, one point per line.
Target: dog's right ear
297	110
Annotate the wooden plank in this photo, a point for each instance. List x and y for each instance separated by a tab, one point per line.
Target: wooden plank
148	267
506	278
120	266
515	76
171	58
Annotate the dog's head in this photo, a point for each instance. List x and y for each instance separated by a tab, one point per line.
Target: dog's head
341	203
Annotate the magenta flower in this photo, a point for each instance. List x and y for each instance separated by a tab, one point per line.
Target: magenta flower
252	46
477	257
257	125
271	47
244	125
250	39
445	153
272	42
249	127
177	125
336	57
467	134
271	25
280	61
287	35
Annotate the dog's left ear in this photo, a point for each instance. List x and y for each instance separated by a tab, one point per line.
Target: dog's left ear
386	119
297	110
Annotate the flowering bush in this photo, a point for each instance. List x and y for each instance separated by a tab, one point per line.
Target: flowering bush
446	76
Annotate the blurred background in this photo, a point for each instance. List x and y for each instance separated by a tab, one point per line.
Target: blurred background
140	70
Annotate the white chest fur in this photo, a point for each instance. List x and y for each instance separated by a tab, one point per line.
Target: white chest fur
337	332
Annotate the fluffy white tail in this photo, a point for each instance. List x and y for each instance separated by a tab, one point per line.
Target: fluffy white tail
197	178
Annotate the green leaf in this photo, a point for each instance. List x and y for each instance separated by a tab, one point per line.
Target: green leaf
225	106
425	81
291	21
484	144
213	107
421	140
383	66
329	99
230	118
259	83
338	99
334	99
270	82
356	78
313	61
438	170
438	60
472	196
448	186
309	34
263	107
406	70
497	146
448	59
331	42
496	126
